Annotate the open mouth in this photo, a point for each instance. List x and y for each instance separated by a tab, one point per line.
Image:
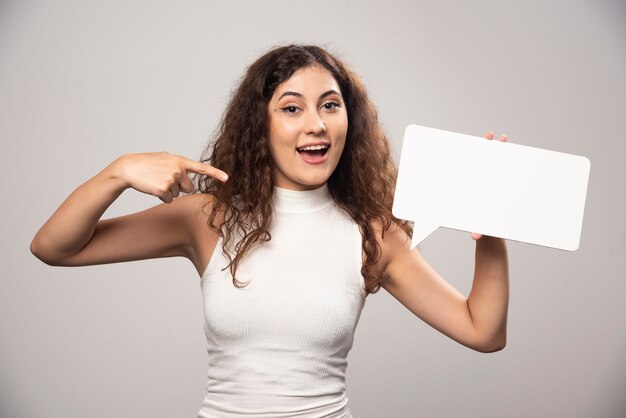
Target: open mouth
313	151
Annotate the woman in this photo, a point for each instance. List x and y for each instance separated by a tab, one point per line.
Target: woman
288	243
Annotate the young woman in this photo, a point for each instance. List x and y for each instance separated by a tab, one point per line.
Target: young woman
290	232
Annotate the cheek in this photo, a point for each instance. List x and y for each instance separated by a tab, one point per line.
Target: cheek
283	135
343	128
280	148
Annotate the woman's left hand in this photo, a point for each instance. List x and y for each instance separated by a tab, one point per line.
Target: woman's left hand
489	135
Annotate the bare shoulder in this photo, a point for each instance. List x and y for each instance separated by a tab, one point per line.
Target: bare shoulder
194	206
393	241
405	268
198	209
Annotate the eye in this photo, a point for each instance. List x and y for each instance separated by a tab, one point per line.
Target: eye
331	105
290	109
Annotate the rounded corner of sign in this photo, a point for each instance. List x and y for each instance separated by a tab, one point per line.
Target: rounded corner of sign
573	247
584	162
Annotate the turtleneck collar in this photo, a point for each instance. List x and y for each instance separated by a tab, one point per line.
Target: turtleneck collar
300	202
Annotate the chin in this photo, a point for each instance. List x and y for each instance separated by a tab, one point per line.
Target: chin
307	179
316	182
304	184
312	185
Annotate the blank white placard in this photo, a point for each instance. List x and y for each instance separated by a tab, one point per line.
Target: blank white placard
495	188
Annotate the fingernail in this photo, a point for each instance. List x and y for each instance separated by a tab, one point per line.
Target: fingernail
225	177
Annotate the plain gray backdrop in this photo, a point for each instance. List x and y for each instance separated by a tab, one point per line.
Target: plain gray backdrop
83	82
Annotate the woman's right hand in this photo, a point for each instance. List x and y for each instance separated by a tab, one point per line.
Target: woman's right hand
161	174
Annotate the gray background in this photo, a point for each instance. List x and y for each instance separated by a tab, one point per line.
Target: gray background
84	82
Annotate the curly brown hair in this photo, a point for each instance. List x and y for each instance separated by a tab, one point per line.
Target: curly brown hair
362	184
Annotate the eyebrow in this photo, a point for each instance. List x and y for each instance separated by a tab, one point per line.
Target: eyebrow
296	94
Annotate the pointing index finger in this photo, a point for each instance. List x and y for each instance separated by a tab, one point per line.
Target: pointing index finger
207	169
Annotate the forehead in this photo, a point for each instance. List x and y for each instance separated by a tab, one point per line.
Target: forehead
308	81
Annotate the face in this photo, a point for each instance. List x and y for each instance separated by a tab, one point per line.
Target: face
308	125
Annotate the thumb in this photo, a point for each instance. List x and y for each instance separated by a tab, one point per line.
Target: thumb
186	185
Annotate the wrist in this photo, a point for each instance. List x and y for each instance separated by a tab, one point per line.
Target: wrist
490	242
114	173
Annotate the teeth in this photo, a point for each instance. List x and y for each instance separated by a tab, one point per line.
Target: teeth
313	148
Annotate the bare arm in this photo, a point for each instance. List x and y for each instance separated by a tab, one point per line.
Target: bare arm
478	321
488	300
75	235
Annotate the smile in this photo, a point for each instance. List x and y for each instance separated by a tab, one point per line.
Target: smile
314	154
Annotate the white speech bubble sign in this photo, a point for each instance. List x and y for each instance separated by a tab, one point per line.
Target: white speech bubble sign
495	188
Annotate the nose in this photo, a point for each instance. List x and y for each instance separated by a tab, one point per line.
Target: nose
315	124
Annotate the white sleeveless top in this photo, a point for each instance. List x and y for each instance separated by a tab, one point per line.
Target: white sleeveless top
279	347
